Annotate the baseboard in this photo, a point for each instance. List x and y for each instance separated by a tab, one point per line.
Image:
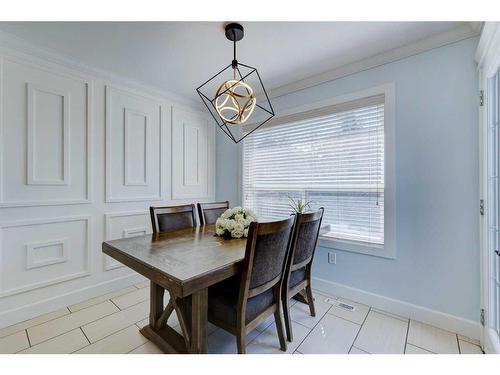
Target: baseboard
32	310
491	343
436	318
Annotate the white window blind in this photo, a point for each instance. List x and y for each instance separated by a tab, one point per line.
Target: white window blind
333	156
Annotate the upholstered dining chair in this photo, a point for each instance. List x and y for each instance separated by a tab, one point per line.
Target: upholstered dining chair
298	267
240	303
171	218
210	212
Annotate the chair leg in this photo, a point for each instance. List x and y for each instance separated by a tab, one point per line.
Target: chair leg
240	341
288	322
310	300
279	328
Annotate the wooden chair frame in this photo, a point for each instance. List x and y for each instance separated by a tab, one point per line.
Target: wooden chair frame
207	206
242	327
305	285
155	211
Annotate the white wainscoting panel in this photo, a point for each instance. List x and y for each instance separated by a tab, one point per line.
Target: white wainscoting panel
48	136
81	160
45	135
39	253
134	130
192	154
122	225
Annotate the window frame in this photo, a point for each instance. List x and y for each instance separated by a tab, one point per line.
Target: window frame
388	250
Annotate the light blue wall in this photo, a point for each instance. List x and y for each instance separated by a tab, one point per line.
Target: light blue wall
227	169
437	182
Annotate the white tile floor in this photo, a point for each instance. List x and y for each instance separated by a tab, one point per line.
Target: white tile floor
110	324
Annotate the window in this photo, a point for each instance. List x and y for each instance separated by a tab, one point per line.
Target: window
334	157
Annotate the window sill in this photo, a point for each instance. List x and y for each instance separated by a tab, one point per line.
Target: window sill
356	247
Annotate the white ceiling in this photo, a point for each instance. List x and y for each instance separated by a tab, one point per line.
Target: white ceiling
178	56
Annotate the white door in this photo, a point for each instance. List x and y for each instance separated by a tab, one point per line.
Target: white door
493	202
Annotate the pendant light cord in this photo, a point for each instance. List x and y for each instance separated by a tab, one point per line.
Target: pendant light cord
234	45
234	55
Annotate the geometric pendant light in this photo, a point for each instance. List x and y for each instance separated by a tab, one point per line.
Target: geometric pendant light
236	95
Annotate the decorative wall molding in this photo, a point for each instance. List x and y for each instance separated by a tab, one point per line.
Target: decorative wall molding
61	284
439	40
108	262
32	245
33	89
436	318
131	232
146	145
110	197
31	169
193	142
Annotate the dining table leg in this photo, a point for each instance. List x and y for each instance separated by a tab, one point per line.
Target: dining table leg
199	321
158	331
156	293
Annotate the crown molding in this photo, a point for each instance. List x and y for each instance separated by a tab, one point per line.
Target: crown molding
13	45
488	50
459	33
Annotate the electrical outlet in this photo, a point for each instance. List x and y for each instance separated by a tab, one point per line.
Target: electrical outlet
332	258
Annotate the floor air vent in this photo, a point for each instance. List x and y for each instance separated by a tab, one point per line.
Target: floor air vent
339	304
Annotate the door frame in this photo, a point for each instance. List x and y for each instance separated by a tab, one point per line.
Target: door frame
488	60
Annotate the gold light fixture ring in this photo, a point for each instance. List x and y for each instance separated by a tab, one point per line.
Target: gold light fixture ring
235	101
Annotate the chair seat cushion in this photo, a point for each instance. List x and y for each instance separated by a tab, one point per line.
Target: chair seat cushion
223	301
297	276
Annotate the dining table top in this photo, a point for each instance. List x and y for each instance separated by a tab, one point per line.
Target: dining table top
181	257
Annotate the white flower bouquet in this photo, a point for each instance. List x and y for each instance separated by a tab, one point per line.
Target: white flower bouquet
234	222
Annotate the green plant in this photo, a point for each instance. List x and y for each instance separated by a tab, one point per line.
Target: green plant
300	205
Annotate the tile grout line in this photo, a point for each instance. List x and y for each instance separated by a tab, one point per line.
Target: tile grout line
109	299
130	351
104	316
61	334
359	330
322	317
364	351
311	329
41	342
458	344
347	320
112	333
390	315
406	337
35	325
28	337
102	338
416	346
274	322
81	329
118	306
50	312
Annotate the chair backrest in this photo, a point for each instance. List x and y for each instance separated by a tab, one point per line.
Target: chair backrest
268	246
210	212
305	239
171	218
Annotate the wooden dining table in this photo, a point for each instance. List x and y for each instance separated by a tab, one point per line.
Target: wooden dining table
184	263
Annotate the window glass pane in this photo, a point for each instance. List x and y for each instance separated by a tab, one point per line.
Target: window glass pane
335	160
